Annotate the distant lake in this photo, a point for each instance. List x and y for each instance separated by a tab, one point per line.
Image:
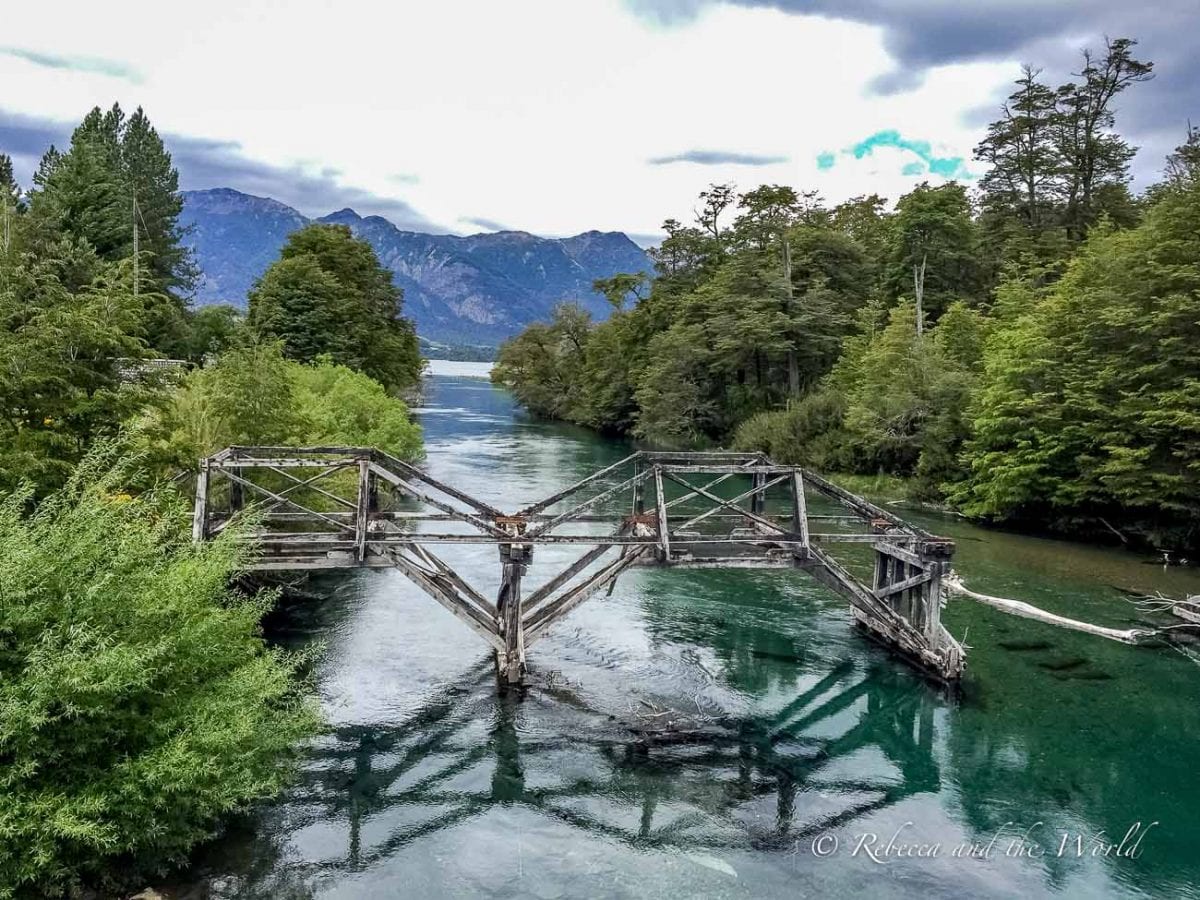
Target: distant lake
453	368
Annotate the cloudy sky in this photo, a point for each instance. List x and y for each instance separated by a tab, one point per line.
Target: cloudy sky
557	117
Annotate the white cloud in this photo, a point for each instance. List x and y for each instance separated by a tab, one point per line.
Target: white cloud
539	113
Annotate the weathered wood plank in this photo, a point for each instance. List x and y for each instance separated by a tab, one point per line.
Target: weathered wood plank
771	526
309	483
278	498
864	508
364	506
900	553
734	500
664	526
386	459
799	507
200	510
897	586
397	481
565	575
450	599
549	525
724	562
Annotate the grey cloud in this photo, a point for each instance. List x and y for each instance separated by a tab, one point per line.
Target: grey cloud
920	34
205	163
94	64
485	224
717	158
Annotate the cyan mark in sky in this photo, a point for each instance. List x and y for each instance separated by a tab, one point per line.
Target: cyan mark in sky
94	64
927	161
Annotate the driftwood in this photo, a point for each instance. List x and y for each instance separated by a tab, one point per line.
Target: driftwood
1028	611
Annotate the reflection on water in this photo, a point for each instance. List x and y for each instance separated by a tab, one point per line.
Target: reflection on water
695	733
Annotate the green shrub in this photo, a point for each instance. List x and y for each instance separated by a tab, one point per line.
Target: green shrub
253	395
337	406
138	702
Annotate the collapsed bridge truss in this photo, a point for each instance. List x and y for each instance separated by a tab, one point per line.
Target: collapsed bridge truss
354	507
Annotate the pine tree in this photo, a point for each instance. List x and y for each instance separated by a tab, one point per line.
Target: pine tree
1092	154
1020	151
114	179
12	203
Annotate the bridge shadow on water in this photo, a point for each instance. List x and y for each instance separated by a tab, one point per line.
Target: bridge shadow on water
665	780
704	774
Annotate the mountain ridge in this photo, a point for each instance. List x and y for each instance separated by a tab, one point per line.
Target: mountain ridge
479	288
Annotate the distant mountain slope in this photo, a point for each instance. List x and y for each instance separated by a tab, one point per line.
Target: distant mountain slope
480	288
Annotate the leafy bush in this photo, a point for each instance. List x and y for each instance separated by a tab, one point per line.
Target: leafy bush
138	702
338	405
253	395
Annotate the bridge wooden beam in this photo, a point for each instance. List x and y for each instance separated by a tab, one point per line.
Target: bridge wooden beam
398	482
549	525
777	535
510	660
415	474
278	498
720	501
583	482
449	598
551	612
757	489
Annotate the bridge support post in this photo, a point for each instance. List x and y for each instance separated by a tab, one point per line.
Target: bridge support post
510	662
758	500
200	510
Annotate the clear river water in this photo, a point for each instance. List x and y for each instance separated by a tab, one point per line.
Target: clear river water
818	765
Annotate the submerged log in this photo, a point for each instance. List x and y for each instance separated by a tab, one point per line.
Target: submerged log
1029	611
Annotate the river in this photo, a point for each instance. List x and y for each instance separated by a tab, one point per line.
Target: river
823	767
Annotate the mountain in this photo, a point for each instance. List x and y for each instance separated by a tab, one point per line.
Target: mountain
477	289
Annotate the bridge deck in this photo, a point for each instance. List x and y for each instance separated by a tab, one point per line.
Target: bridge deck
355	507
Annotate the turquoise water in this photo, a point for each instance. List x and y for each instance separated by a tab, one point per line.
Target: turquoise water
807	748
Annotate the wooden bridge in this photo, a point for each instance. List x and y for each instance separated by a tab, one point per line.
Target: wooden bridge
354	507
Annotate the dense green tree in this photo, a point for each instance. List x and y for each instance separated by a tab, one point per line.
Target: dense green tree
713	203
934	250
214	329
621	288
1057	165
138	701
1087	412
896	402
1020	151
1183	164
545	363
66	355
1092	154
327	294
672	395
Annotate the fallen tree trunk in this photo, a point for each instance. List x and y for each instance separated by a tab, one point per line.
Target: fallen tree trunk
1026	610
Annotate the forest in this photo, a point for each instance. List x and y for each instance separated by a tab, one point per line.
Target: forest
1021	349
139	704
